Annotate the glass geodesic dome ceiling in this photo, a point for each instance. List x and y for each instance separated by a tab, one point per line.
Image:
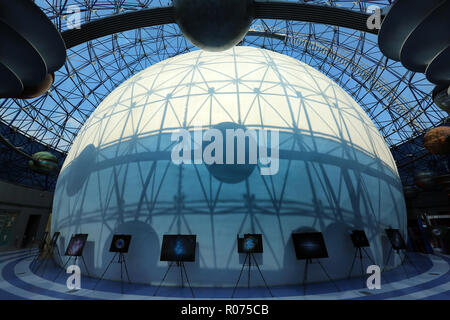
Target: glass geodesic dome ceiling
397	100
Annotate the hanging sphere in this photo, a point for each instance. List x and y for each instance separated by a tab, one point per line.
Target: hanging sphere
437	141
231	173
424	180
40	89
441	97
214	25
43	162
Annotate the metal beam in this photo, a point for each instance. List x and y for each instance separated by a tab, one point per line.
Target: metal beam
263	10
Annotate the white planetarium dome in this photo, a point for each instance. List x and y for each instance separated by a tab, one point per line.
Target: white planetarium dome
336	172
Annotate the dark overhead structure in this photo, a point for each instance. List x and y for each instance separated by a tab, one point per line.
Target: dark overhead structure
32	49
417	33
119	39
192	27
438	70
428	39
402	18
214	25
441	96
118	23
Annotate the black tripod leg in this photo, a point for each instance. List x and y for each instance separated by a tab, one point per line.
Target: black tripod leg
51	252
181	264
121	275
63	268
126	269
104	272
361	261
43	259
35	264
35	258
240	274
362	266
402	260
305	276
387	260
265	283
85	266
410	262
249	269
368	256
164	278
57	250
187	279
353	263
328	276
45	263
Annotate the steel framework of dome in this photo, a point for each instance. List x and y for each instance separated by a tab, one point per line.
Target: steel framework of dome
397	100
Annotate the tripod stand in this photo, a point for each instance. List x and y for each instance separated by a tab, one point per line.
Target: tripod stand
39	253
75	262
360	251
405	257
122	264
180	265
305	274
50	250
249	256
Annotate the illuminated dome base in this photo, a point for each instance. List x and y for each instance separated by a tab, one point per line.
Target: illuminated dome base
336	172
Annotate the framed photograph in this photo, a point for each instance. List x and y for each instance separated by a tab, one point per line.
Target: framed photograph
178	247
309	245
250	243
120	243
76	245
396	239
359	239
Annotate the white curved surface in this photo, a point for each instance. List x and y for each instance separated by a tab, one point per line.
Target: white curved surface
336	172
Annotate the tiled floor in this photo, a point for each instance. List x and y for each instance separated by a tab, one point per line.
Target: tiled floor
431	280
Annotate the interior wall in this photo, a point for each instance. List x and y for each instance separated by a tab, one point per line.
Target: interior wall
25	202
